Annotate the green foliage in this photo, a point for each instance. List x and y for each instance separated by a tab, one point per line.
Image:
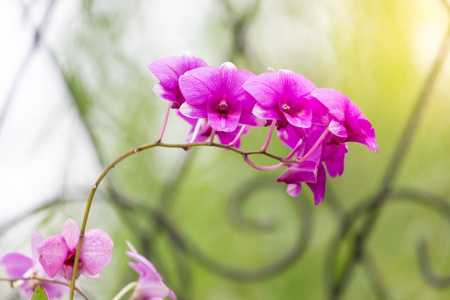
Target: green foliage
39	294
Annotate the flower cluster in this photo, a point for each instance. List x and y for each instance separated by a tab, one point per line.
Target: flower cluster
53	259
314	123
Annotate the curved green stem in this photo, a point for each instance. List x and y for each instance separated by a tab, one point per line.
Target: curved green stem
136	151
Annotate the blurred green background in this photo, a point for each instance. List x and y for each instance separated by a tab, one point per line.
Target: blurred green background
231	218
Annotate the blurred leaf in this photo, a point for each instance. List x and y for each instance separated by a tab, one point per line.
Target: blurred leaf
39	294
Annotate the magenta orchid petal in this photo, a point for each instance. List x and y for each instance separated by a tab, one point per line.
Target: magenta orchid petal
201	84
348	117
71	233
264	113
195	112
296	84
338	129
96	251
333	100
233	80
162	92
304	172
52	254
266	88
248	118
301	117
318	187
16	264
294	189
168	71
333	158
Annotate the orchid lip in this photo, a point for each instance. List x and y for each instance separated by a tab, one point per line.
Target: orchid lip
223	107
285	107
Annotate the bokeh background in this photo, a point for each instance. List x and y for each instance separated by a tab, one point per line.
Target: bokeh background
75	93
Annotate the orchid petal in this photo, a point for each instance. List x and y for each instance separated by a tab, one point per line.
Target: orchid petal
16	264
265	113
294	189
96	251
71	233
304	172
200	84
191	111
334	159
36	241
266	88
333	100
164	93
52	254
318	187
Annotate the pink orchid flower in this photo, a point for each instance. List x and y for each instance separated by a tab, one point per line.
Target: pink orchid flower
348	123
57	253
150	285
20	266
216	94
168	70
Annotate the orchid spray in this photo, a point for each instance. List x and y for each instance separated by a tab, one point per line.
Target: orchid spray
315	124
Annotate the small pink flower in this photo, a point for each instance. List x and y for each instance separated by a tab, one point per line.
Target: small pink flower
285	97
150	285
168	70
20	266
348	124
57	253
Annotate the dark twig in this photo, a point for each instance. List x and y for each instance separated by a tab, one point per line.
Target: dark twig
427	272
374	276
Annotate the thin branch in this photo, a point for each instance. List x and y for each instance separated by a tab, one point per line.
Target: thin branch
12	280
427	271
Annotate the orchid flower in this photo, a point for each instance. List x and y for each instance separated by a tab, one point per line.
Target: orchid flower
284	97
57	253
150	285
20	266
348	123
216	94
168	70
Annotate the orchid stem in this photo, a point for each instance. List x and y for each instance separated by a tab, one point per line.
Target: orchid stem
241	131
311	151
211	139
165	122
125	290
300	142
269	135
263	168
199	124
